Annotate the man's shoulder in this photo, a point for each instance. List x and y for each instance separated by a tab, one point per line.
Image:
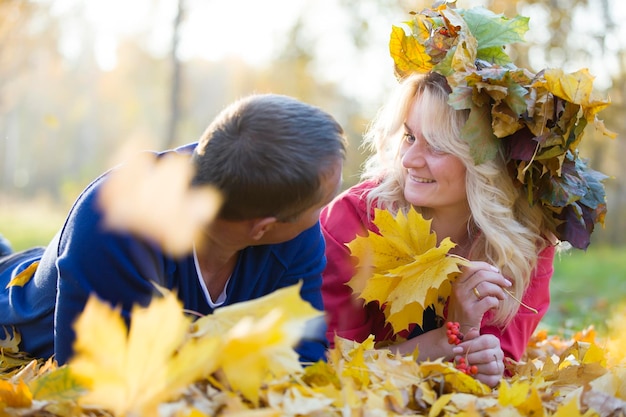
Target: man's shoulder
185	149
308	240
84	200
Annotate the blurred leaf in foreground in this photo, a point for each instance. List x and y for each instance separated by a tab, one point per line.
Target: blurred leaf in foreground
131	371
151	197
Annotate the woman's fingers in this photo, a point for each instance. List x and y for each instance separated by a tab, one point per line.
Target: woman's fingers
488	289
481	281
478	272
485	353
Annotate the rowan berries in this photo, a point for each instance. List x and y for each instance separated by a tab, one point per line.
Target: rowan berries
453	331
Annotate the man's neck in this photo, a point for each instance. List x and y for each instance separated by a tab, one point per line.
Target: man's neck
217	251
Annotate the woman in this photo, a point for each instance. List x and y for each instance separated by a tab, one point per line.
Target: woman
420	160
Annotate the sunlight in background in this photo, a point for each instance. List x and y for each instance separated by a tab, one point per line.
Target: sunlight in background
250	30
254	31
592	24
211	30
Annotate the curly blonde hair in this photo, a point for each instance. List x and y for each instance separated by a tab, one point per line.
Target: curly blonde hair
505	229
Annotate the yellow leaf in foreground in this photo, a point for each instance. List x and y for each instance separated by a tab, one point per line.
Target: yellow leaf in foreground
402	268
10	342
258	337
15	396
24	276
533	405
514	394
134	371
152	197
454	380
287	299
258	350
58	384
571	409
438	406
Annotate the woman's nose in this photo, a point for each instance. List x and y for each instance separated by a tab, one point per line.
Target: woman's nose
414	156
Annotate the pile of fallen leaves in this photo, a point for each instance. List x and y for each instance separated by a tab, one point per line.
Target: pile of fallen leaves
240	361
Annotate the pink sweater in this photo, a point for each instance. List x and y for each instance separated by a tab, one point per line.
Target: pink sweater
346	217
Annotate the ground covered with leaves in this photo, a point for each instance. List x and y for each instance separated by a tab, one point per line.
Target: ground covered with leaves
235	364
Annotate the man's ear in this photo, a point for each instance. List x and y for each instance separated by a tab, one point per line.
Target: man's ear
261	226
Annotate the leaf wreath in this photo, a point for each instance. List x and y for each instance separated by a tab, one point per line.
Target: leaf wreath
403	269
540	117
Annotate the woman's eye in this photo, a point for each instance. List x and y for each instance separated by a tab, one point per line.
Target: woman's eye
408	137
437	151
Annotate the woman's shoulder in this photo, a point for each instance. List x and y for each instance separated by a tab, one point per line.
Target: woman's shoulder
348	213
355	196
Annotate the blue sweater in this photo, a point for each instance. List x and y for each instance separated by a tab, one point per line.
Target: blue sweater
83	258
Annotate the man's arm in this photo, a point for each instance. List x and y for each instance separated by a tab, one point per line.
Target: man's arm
92	260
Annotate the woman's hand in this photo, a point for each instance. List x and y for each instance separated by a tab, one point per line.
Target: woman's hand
479	289
485	353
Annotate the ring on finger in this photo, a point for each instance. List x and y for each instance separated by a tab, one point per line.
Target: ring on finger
476	293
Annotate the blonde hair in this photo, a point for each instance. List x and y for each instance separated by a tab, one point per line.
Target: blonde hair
510	232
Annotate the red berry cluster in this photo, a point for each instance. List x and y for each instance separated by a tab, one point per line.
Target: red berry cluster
454	338
453	332
464	367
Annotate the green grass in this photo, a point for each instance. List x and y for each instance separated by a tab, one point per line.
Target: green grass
587	288
28	224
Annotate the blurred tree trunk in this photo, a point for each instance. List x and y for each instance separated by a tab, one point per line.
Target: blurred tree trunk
617	203
175	92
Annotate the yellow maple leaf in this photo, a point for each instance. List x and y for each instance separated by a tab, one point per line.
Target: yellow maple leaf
515	394
11	341
439	405
575	87
24	276
533	405
13	395
295	400
258	350
595	354
402	269
454	380
356	368
287	299
57	384
408	54
320	374
130	371
571	409
152	197
258	337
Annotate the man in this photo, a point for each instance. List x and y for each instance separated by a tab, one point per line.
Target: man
275	160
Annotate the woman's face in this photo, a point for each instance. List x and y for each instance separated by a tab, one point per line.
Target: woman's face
434	179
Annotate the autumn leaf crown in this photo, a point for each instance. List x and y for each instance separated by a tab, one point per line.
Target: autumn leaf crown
540	117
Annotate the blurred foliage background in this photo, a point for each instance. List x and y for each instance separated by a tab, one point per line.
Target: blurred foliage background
83	82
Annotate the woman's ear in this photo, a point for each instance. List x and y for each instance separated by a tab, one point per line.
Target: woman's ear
261	226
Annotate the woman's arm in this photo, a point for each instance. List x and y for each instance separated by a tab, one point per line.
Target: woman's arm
514	338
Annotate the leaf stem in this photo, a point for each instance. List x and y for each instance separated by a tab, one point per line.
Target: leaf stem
519	301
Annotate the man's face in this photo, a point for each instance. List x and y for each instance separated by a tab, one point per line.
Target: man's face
284	231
